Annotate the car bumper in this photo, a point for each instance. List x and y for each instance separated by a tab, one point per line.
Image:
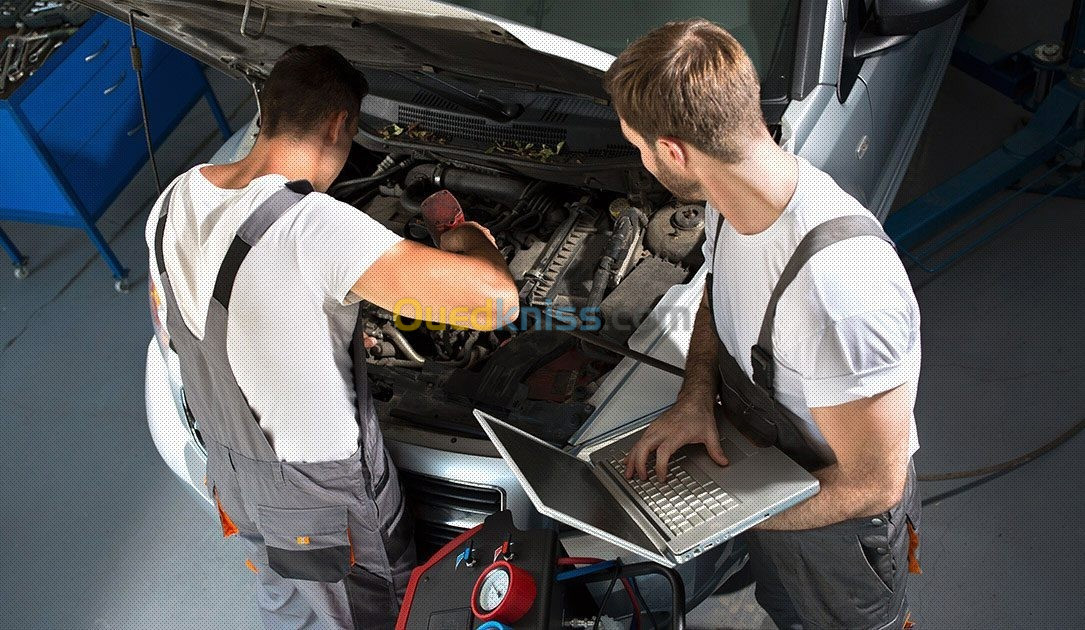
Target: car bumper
452	487
168	426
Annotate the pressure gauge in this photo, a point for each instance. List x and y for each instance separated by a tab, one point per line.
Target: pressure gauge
495	585
504	592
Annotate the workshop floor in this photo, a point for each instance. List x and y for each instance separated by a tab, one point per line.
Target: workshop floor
98	533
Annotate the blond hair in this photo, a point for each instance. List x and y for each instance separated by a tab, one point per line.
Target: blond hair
692	81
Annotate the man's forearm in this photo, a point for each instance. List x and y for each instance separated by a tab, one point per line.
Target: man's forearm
700	380
841	498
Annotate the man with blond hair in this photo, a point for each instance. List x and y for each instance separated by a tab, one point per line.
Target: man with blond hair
807	337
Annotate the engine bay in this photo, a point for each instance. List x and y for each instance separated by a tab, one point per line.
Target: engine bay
606	256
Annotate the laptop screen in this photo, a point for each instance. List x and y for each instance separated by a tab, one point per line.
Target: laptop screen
567	485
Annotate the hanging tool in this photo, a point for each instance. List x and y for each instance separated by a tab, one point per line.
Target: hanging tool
441	212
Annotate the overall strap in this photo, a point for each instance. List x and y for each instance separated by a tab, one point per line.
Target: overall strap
250	233
247	235
828	233
711	270
160	230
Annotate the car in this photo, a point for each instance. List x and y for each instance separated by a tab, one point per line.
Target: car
502	103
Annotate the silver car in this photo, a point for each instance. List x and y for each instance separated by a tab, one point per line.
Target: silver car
502	103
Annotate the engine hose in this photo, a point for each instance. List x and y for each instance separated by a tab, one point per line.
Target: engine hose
599	282
379	176
533	204
496	187
412	196
401	342
499	187
620	242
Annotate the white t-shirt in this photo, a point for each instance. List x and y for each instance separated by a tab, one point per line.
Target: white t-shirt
291	314
848	326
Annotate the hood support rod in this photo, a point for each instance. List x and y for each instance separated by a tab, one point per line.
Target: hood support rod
137	68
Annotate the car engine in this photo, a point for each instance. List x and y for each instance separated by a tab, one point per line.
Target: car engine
570	249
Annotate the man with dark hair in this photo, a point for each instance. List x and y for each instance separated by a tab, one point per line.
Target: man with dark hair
307	85
262	274
808	334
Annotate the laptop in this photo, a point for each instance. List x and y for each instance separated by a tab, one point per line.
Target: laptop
700	505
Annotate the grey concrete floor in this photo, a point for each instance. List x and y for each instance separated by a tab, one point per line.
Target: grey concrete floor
97	533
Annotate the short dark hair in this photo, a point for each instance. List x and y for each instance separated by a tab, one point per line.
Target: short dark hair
689	80
308	85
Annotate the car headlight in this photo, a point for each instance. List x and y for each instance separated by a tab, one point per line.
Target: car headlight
158	315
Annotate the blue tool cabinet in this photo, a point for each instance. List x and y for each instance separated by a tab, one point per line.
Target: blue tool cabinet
72	134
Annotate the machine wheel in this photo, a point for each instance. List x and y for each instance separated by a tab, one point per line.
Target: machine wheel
122	285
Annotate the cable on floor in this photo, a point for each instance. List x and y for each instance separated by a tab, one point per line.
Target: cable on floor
1007	466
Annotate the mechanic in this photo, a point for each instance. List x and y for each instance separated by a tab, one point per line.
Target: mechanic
262	274
832	379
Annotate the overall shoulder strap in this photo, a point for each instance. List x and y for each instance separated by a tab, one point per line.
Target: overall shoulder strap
160	230
712	269
211	387
822	236
250	233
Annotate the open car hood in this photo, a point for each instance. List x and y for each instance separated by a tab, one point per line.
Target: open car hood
386	34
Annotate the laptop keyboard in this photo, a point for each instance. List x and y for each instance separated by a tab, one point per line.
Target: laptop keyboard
682	502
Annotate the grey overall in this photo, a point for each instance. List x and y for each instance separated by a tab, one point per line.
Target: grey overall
850	574
330	541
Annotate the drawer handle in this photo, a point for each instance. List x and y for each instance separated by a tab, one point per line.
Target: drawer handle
94	55
113	88
134	130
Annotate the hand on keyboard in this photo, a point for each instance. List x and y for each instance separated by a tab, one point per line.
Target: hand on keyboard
680	425
684	501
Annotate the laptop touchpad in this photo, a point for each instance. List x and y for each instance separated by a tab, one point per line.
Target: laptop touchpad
732	451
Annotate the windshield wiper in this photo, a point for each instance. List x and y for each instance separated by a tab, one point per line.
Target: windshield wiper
481	103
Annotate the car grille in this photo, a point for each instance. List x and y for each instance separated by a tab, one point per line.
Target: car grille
477	128
444	509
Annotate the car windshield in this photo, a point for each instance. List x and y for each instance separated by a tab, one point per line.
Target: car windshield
764	27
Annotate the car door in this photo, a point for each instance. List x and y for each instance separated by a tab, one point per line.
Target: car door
827	126
901	84
838	141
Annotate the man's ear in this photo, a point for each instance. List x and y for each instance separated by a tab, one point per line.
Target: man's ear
674	149
337	125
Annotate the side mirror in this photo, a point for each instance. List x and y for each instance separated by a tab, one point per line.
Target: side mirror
889	23
875	26
908	17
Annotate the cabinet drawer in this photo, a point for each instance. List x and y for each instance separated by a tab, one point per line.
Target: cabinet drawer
94	105
117	149
76	69
88	110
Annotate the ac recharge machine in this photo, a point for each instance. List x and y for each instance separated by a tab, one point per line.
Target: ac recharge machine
497	577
